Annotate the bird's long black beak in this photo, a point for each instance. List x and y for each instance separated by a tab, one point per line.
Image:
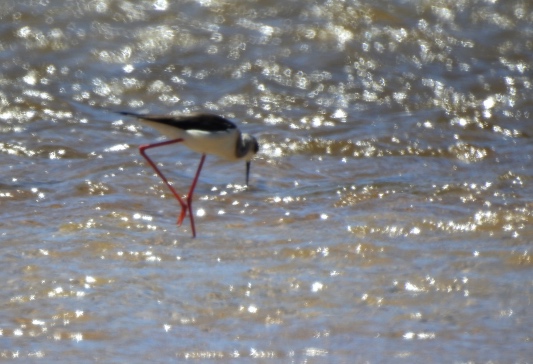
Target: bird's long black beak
247	172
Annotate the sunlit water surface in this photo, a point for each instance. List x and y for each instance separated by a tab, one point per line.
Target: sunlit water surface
389	217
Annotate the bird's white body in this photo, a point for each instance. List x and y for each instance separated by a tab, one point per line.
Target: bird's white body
220	143
205	134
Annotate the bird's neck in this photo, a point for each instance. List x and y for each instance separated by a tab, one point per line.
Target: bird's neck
243	146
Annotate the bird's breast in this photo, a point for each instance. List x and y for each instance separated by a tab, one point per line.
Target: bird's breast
219	143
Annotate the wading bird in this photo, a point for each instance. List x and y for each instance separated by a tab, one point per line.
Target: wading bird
205	134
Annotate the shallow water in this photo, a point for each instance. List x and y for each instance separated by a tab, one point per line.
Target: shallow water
389	216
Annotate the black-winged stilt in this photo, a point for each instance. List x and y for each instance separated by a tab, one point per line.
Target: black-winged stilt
205	134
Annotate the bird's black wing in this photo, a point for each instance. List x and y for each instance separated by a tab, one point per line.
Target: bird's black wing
205	122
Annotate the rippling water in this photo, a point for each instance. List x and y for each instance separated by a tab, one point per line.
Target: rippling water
390	213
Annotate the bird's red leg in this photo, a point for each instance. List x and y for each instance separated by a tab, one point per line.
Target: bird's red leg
143	149
191	191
